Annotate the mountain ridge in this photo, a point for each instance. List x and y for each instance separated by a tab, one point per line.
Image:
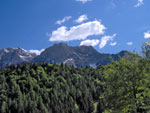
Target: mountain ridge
78	56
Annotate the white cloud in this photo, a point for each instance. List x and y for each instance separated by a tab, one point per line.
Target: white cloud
81	19
140	2
113	43
37	52
147	35
83	1
79	32
129	43
89	42
105	39
59	22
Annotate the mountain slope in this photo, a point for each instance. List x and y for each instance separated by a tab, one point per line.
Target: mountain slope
79	55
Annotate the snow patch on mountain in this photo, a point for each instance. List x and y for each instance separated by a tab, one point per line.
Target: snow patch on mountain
93	65
68	60
6	51
24	57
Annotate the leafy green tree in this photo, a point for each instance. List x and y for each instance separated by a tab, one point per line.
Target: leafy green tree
125	87
146	50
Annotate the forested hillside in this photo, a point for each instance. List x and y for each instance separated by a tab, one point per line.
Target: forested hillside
120	87
49	88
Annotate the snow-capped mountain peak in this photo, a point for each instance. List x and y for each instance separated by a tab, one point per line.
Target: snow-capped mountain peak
15	56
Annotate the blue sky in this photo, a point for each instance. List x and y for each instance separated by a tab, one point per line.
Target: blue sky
108	25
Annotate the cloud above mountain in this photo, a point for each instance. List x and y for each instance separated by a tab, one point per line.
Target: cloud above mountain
129	43
83	1
113	43
147	35
90	42
37	52
105	39
79	32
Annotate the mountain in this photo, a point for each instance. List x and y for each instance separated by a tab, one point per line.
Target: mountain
78	56
10	56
